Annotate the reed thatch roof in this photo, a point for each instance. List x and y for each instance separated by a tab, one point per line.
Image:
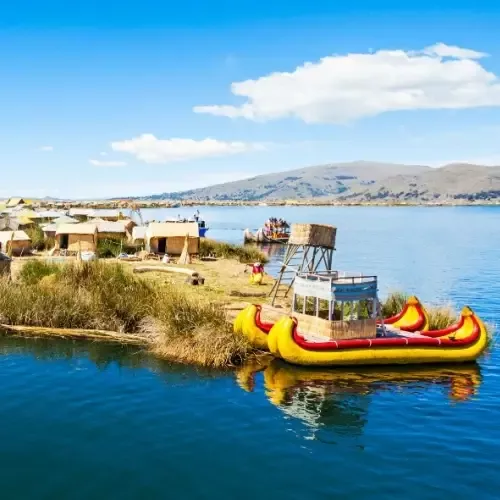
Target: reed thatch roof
14	202
172	229
6	236
76	229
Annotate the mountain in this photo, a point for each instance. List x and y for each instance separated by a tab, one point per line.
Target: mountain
358	181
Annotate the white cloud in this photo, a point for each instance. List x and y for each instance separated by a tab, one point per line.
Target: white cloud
342	88
111	163
443	50
46	148
150	149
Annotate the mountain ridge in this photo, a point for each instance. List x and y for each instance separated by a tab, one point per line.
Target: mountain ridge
356	181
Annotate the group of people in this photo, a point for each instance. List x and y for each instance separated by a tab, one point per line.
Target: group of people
275	227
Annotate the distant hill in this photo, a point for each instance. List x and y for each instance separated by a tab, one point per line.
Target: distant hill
357	181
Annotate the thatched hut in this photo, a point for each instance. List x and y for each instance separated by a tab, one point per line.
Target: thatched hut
169	237
49	230
9	224
76	237
109	215
23	222
15	242
82	214
116	231
15	202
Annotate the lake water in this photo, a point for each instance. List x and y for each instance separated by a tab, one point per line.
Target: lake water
80	421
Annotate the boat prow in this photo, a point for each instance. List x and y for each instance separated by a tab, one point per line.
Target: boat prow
249	324
412	318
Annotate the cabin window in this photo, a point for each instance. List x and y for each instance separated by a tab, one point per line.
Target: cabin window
162	245
64	241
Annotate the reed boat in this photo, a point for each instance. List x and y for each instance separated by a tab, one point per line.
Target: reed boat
335	320
261	237
398	340
249	323
464	341
273	231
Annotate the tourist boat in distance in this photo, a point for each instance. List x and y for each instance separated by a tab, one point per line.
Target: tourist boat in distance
273	231
352	334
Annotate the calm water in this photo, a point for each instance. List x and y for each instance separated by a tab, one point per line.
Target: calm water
89	421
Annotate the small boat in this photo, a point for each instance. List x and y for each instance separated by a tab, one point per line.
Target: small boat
274	231
203	228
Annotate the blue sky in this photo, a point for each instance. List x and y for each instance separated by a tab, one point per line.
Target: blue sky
130	98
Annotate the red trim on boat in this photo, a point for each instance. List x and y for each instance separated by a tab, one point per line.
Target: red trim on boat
265	327
334	345
397	317
445	331
408	328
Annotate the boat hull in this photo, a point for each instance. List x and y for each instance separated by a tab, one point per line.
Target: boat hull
463	345
463	342
203	232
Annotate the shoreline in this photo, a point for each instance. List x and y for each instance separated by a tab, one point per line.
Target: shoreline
145	204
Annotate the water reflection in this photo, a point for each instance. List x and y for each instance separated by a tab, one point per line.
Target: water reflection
102	355
337	400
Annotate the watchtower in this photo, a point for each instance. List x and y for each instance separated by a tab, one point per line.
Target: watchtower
309	249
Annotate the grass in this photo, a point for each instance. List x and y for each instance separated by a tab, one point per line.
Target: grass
38	240
245	254
393	304
179	323
113	248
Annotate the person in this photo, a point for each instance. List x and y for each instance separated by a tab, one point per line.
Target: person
196	215
257	273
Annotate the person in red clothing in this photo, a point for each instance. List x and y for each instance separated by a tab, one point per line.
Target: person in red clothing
257	273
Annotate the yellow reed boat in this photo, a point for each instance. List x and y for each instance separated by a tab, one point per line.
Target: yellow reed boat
401	339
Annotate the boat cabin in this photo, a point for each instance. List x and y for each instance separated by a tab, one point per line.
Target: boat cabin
336	306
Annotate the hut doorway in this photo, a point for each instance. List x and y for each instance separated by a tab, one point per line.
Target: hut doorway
162	245
64	241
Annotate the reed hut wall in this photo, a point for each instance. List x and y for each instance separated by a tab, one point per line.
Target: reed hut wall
78	242
175	245
174	235
15	242
22	247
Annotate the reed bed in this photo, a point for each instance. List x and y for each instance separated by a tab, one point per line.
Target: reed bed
245	254
175	323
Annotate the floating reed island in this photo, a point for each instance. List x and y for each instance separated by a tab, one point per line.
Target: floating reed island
106	301
86	284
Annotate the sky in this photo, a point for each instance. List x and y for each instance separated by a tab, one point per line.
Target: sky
107	99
